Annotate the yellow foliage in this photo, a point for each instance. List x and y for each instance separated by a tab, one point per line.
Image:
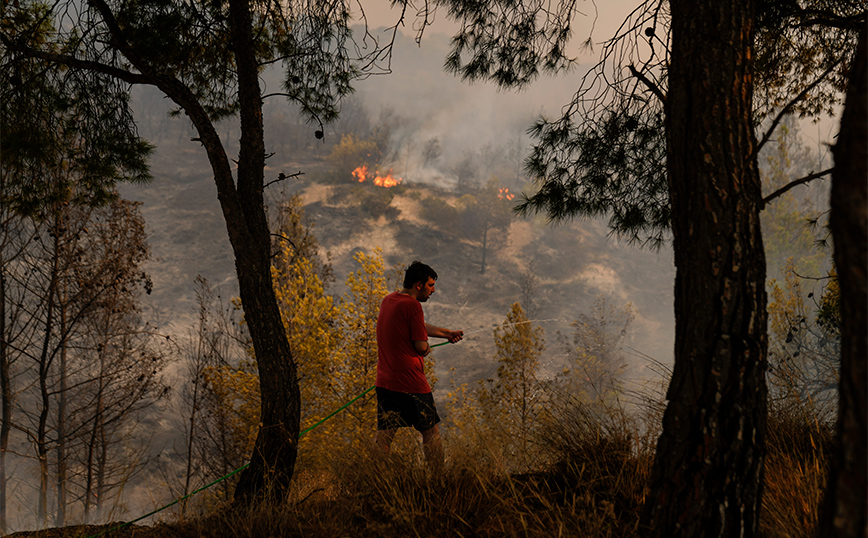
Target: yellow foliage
334	344
235	404
511	406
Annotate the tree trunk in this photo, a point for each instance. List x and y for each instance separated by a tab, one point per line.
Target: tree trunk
845	510
101	470
707	474
92	444
276	447
241	201
191	434
5	396
60	515
484	247
44	365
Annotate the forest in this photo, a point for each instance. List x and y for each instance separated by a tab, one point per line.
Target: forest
591	397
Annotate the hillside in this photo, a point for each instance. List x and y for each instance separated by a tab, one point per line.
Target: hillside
573	263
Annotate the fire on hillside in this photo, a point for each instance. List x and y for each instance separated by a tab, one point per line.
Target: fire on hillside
361	173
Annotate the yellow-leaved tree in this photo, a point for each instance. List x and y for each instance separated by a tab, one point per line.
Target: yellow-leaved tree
353	152
309	313
354	365
512	404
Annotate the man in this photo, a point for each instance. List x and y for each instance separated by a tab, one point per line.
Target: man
403	394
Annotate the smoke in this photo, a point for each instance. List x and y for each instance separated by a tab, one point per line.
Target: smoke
475	122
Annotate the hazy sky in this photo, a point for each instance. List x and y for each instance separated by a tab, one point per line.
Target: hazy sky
467	117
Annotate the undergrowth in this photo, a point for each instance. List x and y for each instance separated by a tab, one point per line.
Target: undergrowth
589	479
592	483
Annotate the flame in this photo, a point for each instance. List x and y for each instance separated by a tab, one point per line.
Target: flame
505	194
387	181
361	173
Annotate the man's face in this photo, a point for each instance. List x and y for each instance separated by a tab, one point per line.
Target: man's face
425	290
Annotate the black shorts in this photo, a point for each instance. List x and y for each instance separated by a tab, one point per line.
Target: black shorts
400	409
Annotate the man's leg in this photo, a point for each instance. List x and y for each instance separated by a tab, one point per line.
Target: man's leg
384	438
433	447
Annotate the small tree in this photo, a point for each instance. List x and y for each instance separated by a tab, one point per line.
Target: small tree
787	219
355	369
595	353
116	364
352	153
219	399
301	281
512	403
485	213
804	351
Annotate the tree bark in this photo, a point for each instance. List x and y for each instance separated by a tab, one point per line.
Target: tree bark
845	510
707	474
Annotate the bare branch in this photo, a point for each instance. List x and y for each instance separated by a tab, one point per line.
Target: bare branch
832	20
810	177
791	104
282	177
647	82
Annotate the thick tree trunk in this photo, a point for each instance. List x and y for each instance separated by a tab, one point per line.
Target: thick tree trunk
707	473
845	511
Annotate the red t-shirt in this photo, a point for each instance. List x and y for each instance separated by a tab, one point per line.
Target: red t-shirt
400	367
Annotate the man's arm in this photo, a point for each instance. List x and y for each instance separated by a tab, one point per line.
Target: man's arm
422	347
440	332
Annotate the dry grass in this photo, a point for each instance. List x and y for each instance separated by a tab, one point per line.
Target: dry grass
590	480
594	489
797	462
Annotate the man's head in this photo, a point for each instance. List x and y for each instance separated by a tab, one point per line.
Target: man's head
420	277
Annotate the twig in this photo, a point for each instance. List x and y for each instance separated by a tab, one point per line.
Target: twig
790	105
810	177
651	86
281	177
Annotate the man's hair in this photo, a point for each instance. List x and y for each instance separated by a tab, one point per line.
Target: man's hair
418	272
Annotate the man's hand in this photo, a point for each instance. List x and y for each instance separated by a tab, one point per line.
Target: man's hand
454	336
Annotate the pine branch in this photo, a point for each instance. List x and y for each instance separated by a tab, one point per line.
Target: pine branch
78	63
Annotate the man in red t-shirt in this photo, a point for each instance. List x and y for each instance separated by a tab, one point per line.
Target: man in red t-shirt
403	394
